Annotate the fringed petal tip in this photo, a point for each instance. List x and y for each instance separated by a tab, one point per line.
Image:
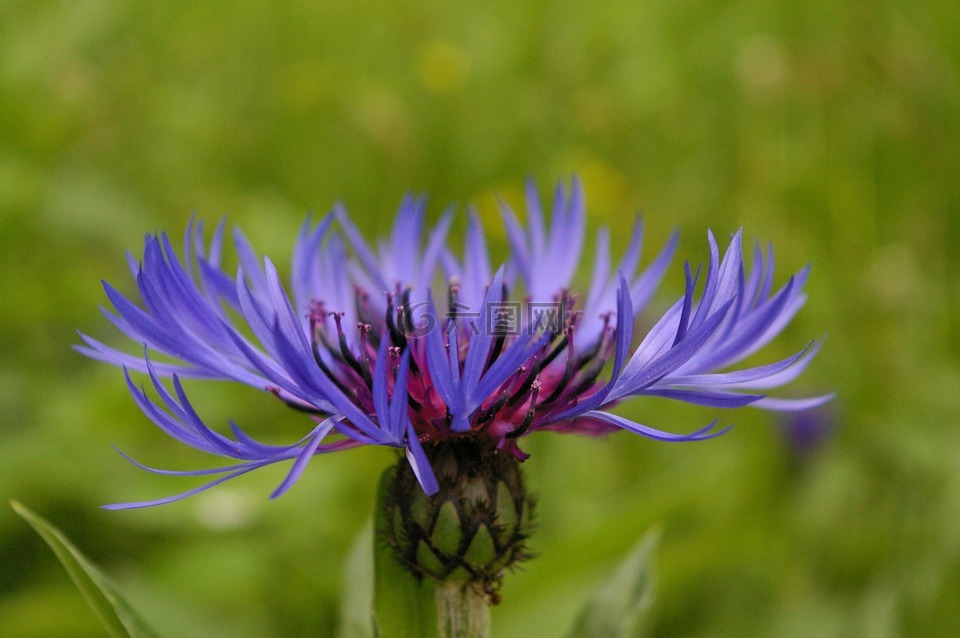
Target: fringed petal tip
709	431
247	467
794	405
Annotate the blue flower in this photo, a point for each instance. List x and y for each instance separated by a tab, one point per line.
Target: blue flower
358	342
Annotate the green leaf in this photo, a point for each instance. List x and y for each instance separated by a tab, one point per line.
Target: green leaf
618	606
404	605
119	619
356	610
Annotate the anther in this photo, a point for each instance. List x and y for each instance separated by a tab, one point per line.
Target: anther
394	353
397	337
364	328
527	382
452	292
315	316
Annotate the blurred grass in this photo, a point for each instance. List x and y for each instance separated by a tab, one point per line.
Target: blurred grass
829	129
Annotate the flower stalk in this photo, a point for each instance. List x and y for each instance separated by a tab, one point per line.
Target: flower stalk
462	611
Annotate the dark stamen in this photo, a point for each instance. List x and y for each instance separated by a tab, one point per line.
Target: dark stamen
327	371
452	291
396	337
299	407
394	353
599	343
407	322
487	417
521	392
321	336
531	411
318	330
497	349
348	357
569	370
365	328
561	345
588	378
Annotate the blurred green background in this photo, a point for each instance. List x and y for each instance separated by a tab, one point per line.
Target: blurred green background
829	128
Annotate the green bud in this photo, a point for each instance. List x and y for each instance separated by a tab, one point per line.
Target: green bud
474	527
482	549
447	531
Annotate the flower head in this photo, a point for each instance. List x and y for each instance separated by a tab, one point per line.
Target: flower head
363	343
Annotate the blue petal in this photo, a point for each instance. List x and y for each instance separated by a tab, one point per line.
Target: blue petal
794	405
706	432
381	403
481	344
711	398
420	464
305	455
170	499
398	419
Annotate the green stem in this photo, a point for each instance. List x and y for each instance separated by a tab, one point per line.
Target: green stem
462	611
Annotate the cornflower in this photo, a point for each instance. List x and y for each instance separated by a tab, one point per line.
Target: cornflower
358	343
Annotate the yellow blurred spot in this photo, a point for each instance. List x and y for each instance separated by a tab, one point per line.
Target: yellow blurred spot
383	115
442	67
762	64
605	188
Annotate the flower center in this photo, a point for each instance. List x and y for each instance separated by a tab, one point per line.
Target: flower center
554	374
